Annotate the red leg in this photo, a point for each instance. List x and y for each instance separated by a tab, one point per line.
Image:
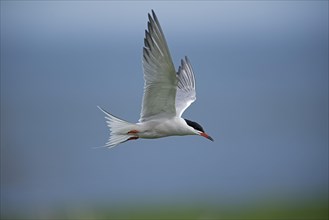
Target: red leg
133	132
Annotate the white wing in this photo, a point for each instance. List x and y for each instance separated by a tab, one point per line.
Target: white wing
159	74
185	95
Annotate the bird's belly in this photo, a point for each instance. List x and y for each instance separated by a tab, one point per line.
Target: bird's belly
158	129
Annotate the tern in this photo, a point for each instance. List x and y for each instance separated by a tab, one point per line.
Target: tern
167	94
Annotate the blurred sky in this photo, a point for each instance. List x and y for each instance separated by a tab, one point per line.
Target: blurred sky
262	93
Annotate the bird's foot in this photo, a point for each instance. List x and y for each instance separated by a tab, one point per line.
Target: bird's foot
132	138
133	132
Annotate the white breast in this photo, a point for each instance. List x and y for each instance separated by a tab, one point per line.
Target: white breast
164	127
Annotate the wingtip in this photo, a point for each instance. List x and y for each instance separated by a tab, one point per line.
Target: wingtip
149	26
184	61
149	17
155	18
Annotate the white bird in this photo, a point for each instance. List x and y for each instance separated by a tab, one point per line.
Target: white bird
167	95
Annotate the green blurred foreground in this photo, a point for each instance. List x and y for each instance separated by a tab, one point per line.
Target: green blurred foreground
311	209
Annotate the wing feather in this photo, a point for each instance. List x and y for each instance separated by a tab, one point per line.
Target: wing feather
160	81
186	94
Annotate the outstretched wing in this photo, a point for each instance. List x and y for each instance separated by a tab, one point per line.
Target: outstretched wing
185	95
159	74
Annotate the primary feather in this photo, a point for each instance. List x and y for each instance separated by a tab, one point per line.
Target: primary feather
185	94
159	74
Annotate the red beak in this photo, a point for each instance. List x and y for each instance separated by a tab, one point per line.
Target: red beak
206	136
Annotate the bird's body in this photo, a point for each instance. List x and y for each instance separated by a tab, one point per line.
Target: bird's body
158	128
166	95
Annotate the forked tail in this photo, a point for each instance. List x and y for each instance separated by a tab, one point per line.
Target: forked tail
119	130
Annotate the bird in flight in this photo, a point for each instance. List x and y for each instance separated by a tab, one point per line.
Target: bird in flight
167	94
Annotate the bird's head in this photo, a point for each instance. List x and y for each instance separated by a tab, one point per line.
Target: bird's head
198	129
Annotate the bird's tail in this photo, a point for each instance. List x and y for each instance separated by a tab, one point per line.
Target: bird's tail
120	130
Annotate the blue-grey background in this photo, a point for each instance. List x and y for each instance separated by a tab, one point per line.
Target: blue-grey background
262	93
